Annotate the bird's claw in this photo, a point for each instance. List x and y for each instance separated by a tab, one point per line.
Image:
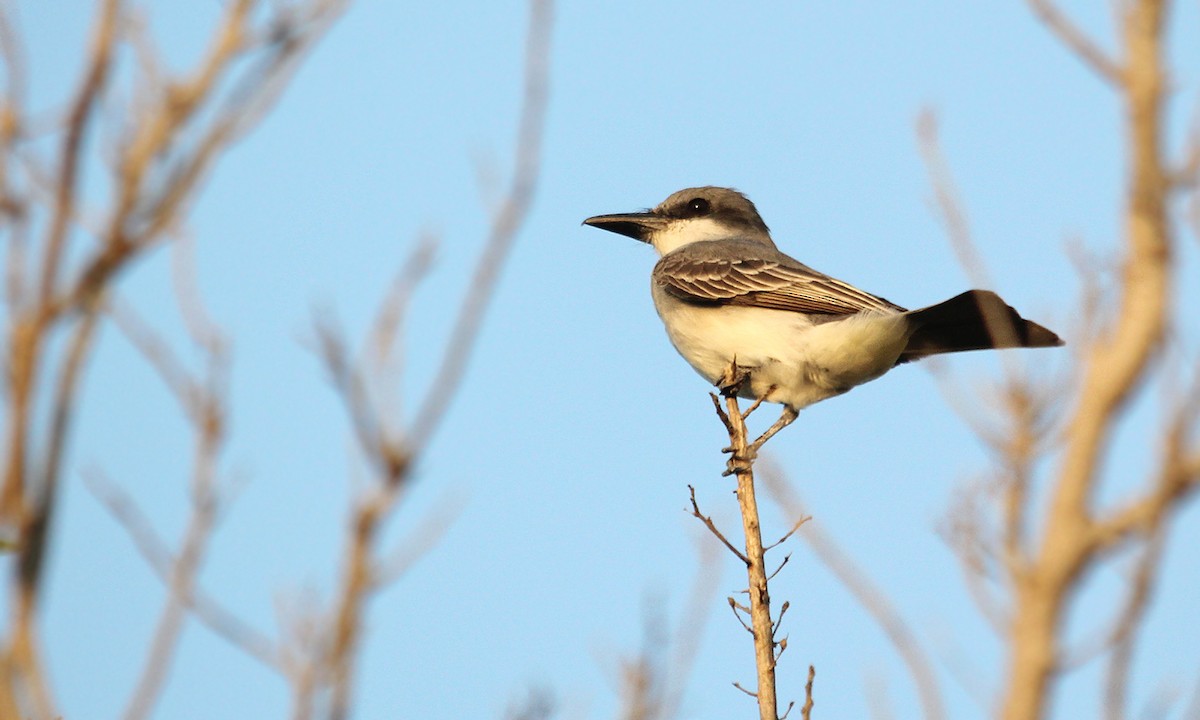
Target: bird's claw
740	462
731	383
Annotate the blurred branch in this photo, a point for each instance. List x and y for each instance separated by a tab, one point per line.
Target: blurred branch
1083	46
806	709
1114	366
204	402
505	225
653	683
153	549
690	630
1124	636
172	133
391	449
1116	362
946	200
958	230
868	595
538	705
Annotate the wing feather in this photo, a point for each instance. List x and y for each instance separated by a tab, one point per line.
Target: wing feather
740	272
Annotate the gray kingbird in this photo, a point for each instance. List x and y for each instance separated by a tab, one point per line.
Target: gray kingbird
725	293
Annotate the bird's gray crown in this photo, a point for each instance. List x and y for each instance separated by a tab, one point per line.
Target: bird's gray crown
724	205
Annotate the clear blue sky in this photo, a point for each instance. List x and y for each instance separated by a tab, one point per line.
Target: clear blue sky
578	428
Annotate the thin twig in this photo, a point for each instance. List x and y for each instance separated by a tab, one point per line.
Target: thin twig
392	452
690	630
1125	632
806	709
762	626
1083	46
505	226
153	549
872	599
708	522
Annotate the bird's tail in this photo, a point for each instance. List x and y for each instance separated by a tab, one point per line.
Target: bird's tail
974	320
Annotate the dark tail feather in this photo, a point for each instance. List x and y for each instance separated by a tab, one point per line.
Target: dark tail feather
975	320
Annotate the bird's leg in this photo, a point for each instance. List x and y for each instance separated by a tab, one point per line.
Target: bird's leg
786	418
741	462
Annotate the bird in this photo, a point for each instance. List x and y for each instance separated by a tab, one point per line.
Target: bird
760	324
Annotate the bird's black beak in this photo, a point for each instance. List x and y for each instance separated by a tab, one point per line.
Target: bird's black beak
639	226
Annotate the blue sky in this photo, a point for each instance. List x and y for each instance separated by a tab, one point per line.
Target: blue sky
578	429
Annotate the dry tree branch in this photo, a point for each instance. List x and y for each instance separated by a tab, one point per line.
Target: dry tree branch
1124	636
422	539
806	709
386	332
204	401
743	454
23	505
155	173
958	230
505	225
72	155
393	452
12	57
153	549
33	318
712	527
946	199
689	631
760	599
1074	38
1116	364
653	683
538	705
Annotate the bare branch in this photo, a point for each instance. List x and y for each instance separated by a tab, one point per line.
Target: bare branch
741	463
102	43
786	559
1115	366
690	630
708	522
1129	623
392	453
806	710
958	230
505	226
153	549
204	402
946	199
418	543
1078	42
171	143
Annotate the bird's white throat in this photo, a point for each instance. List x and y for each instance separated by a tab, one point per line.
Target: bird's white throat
678	233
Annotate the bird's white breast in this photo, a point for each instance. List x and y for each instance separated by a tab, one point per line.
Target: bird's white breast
794	360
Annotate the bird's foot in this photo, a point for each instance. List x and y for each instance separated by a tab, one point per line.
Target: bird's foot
735	378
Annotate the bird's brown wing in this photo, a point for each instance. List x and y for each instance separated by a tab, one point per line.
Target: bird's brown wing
752	274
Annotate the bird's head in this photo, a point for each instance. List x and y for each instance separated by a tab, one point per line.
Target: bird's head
688	216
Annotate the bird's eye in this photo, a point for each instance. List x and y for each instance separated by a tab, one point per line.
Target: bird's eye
697	207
